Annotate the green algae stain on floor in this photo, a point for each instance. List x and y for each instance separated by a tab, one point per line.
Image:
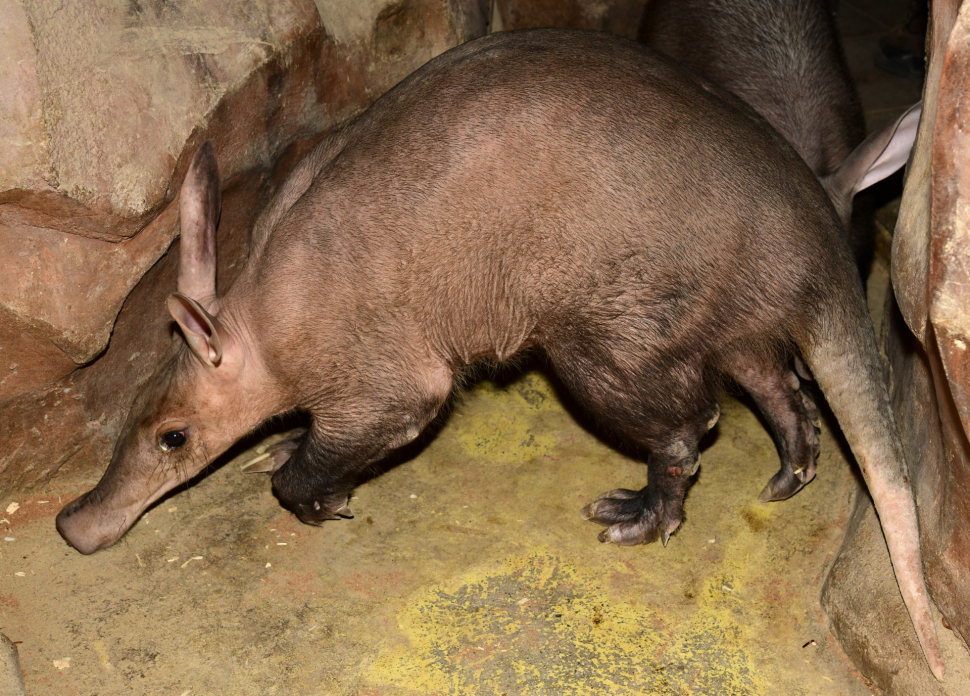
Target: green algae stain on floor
539	626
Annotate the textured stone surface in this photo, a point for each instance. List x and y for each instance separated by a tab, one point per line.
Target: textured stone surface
861	600
103	105
911	242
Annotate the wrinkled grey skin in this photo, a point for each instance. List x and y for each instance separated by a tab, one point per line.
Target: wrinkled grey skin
565	190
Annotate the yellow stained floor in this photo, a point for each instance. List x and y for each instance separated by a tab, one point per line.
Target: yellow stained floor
467	570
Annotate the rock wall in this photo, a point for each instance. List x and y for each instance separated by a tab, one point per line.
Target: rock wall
102	104
926	338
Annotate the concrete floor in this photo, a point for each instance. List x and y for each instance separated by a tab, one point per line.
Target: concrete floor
467	569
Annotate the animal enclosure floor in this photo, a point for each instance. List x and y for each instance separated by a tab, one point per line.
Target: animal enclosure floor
466	571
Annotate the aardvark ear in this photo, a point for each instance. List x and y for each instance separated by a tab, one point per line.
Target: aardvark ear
877	157
205	335
200	201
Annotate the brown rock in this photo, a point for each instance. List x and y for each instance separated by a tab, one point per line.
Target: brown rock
68	288
911	240
27	357
878	636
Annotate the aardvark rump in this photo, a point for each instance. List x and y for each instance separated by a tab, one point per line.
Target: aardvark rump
783	58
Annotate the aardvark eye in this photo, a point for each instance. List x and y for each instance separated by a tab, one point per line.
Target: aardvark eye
173	439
